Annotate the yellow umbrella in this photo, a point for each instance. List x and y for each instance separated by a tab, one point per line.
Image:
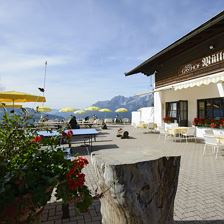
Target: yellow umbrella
92	108
3	105
67	109
43	109
80	112
121	110
106	110
20	97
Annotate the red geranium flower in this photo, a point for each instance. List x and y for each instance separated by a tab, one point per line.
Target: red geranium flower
37	139
213	125
69	133
74	177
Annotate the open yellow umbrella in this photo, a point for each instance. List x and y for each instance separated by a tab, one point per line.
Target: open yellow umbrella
106	110
92	108
121	110
80	112
3	105
67	109
20	97
43	109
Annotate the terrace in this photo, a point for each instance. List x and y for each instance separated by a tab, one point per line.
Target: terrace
200	193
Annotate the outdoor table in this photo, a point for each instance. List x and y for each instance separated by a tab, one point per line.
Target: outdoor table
50	124
86	124
88	133
52	133
177	130
220	139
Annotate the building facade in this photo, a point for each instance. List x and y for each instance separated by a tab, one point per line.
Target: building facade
189	75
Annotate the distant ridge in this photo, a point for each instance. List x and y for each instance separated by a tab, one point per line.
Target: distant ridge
131	103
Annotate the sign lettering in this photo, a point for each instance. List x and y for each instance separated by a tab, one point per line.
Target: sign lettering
203	63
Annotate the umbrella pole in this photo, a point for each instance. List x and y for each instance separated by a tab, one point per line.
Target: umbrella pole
13	102
45	73
3	105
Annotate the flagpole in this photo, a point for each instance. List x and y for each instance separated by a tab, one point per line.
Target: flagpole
45	72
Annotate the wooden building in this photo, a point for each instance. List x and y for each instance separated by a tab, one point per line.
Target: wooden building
189	75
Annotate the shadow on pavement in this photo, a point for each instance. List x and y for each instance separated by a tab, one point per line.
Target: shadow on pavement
200	222
108	140
52	213
108	146
102	133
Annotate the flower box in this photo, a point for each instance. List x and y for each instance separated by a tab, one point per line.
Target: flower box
200	131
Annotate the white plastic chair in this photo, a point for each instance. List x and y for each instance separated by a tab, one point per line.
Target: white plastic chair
170	125
190	134
209	132
152	126
163	132
211	140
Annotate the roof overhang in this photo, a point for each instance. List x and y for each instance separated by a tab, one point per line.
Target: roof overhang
214	78
203	32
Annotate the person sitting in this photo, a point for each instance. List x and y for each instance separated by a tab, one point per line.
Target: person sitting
104	126
86	118
125	135
73	123
120	132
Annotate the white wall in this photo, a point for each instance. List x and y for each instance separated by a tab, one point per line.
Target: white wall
146	114
191	94
135	118
158	108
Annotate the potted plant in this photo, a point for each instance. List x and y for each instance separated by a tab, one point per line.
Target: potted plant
30	168
167	119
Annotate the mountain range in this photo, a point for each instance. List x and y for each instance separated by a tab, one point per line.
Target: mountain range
132	103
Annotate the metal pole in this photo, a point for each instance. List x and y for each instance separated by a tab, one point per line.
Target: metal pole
45	72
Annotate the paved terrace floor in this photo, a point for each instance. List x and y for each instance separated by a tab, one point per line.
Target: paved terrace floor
200	193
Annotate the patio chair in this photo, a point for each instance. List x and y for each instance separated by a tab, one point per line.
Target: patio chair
213	143
190	134
163	132
209	132
125	120
152	126
170	125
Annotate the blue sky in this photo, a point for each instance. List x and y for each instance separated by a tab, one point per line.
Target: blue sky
89	44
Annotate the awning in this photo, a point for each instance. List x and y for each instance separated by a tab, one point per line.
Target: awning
218	77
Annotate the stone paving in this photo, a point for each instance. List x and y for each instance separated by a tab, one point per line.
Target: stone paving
200	193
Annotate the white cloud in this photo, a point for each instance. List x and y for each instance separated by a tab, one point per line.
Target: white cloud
88	44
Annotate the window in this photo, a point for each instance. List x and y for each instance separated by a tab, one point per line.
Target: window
211	108
171	110
178	111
